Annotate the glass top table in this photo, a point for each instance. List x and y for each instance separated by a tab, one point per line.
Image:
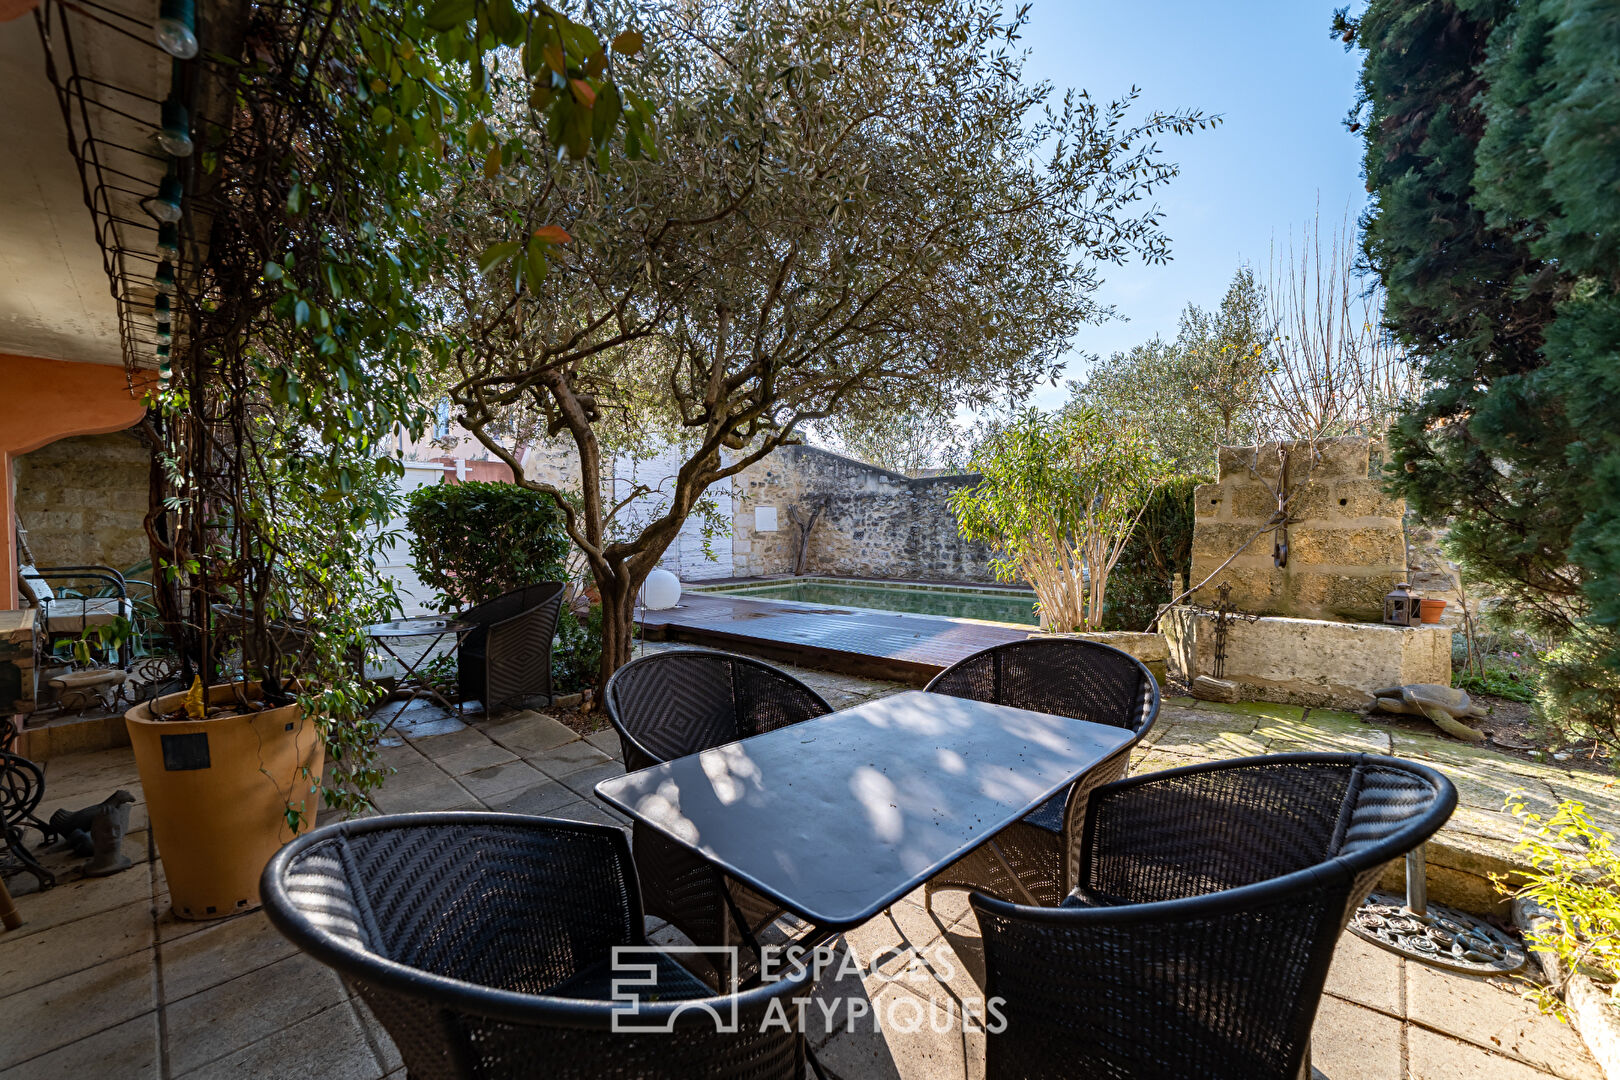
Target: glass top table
838	817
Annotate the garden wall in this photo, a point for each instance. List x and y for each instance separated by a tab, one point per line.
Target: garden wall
874	523
83	499
1346	545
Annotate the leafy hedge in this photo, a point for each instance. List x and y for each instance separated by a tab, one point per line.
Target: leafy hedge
577	658
474	541
1159	549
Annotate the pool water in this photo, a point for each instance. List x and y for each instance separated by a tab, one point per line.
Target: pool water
967	604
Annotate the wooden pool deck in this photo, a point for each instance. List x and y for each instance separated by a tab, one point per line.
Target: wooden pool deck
854	641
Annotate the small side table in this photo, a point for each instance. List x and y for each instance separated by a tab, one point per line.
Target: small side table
409	684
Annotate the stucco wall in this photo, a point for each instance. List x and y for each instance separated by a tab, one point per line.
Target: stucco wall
1346	541
875	523
82	501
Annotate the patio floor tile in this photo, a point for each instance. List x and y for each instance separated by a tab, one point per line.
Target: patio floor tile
529	733
33	958
559	761
896	1039
233	1016
73	900
498	780
606	741
586	811
126	1051
329	1045
541	798
1353	1043
483	755
76	1006
1432	1056
584	781
1494	1017
1366	974
220	952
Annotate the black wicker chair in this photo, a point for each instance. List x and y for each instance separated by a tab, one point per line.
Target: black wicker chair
671	704
1031	861
508	658
1210	901
483	943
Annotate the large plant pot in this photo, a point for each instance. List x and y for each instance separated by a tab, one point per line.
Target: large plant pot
218	792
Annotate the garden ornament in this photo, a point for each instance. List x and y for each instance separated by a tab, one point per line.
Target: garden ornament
97	831
1443	705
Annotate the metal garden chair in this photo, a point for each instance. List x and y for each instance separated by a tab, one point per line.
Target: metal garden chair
1030	862
1209	903
484	944
671	704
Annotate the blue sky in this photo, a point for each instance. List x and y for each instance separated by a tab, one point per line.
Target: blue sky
1283	87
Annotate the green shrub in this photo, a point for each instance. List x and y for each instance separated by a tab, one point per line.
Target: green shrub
1158	551
1579	692
474	541
1504	682
577	656
1575	875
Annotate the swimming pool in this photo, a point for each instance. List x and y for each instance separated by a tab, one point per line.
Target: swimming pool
962	602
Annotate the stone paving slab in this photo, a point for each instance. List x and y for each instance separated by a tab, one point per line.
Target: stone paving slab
102	979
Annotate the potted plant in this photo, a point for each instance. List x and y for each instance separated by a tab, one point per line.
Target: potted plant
293	306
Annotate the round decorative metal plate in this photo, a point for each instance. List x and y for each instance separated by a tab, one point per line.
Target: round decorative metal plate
1442	937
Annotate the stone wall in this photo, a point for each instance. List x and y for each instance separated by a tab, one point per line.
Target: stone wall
876	523
82	501
1346	545
1308	661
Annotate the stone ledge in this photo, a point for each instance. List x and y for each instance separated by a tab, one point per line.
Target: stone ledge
1309	661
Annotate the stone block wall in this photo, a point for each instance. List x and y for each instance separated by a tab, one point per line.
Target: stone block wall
876	523
1309	661
83	499
1346	545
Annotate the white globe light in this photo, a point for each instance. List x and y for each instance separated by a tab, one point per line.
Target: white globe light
661	590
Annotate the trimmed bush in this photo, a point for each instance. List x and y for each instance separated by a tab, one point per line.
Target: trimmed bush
1160	548
474	541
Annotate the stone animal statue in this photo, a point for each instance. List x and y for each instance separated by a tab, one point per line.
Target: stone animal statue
1445	706
97	831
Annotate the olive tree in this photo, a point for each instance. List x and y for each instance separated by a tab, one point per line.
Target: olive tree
851	205
1060	496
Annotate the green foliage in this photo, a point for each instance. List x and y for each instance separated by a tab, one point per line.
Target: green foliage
1158	553
1579	691
1504	682
1575	876
1060	495
1494	228
857	207
577	656
1200	391
474	541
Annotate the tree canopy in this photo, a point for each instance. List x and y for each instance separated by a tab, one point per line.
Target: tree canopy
853	206
1491	159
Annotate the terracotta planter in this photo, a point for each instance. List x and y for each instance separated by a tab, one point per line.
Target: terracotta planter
218	792
1430	610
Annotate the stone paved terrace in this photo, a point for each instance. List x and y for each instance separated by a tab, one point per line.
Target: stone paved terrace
102	980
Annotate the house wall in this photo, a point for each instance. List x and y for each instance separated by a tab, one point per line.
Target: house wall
82	501
47	400
876	523
1346	539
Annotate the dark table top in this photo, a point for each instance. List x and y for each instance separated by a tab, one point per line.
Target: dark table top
424	627
838	817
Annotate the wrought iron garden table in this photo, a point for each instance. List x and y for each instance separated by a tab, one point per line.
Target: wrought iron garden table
400	629
837	817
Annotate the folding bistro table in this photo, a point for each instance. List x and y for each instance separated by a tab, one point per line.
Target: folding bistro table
837	817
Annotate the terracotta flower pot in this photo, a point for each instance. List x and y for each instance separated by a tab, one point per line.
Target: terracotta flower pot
218	793
1431	610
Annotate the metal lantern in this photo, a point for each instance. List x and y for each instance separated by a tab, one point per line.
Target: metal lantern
1400	606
